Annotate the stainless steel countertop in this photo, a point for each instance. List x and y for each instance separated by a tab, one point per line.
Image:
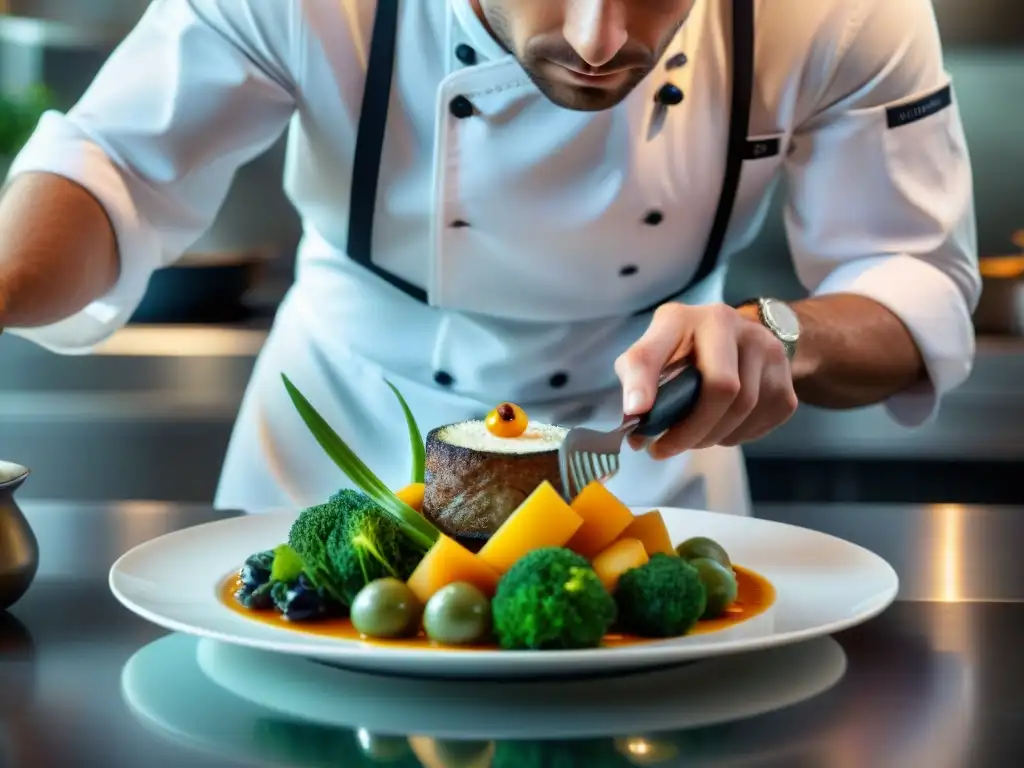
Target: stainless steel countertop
932	682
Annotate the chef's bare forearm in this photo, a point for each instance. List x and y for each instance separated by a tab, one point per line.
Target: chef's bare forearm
58	251
852	352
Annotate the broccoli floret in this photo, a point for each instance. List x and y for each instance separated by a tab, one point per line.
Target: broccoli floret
367	545
662	598
350	541
311	530
551	599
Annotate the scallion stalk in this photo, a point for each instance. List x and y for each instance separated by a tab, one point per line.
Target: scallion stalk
418	528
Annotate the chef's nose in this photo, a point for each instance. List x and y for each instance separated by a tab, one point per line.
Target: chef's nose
596	29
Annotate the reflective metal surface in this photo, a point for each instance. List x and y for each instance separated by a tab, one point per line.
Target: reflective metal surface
942	552
85	683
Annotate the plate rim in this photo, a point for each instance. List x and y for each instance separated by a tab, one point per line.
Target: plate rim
646	654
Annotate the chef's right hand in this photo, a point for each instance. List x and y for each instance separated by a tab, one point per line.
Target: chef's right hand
747	387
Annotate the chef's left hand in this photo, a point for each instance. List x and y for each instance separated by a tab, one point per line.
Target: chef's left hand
747	385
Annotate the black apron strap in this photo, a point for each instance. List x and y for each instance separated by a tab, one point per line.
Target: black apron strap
373	124
739	124
373	121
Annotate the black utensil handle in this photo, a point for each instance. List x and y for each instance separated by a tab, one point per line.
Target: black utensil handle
677	397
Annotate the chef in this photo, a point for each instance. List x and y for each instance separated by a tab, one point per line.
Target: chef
525	200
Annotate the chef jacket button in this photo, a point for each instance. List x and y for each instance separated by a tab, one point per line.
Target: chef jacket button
654	218
629	270
670	95
465	54
559	380
443	378
461	107
677	61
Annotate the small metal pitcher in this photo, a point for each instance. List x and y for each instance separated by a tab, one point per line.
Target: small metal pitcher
19	549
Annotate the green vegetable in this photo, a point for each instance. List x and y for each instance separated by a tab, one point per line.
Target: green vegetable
287	564
19	115
459	614
701	546
419	459
386	608
719	583
350	541
551	599
366	545
414	525
662	598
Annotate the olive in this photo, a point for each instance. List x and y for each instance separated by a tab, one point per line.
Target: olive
719	583
458	614
700	546
386	608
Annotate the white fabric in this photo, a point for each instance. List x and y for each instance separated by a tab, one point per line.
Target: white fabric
555	199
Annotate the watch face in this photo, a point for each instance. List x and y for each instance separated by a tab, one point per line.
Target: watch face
783	319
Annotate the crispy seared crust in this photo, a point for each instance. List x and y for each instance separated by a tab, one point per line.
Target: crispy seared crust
470	493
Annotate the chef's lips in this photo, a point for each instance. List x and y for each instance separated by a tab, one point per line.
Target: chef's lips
544	55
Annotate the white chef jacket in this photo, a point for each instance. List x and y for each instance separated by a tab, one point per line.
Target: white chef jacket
527	225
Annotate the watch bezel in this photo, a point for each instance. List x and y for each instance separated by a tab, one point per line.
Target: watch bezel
764	310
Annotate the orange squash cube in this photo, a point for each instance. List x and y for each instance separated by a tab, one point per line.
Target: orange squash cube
448	562
604	520
650	529
542	520
622	556
412	495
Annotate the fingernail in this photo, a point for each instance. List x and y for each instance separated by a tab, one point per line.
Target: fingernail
633	401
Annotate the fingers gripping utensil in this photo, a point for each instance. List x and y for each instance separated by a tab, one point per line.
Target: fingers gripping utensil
587	455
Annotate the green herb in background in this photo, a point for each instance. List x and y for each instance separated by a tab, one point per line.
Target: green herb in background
19	115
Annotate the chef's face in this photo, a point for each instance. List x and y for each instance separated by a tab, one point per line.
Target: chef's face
585	54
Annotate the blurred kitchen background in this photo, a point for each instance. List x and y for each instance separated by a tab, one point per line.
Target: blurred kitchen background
150	415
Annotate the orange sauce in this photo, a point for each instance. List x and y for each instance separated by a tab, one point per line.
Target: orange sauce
755	596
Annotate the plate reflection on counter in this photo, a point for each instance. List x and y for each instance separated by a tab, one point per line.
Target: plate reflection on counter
281	710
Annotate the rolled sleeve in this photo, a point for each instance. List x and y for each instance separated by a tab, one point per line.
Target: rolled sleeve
881	197
196	90
936	314
58	147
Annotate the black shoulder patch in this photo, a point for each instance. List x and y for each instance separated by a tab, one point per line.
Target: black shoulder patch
755	149
926	106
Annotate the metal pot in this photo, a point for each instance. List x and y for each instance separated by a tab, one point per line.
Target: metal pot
19	549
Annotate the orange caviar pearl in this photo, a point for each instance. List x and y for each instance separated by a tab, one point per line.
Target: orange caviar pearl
507	420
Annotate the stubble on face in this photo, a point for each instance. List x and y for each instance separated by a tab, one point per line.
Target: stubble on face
549	60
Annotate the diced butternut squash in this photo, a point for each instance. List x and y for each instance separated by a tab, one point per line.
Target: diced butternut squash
620	557
542	520
604	520
650	529
412	495
447	562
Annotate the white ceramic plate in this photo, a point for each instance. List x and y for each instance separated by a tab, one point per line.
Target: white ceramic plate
823	585
251	705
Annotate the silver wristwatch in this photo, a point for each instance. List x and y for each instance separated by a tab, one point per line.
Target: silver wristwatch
779	318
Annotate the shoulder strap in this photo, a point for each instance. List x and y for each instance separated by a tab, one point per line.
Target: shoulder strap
739	123
373	120
373	124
